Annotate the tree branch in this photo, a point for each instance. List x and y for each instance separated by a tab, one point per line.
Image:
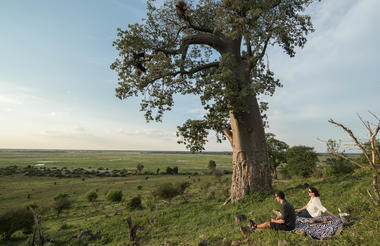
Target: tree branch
183	72
354	138
204	38
228	134
181	9
366	124
198	28
346	158
375	116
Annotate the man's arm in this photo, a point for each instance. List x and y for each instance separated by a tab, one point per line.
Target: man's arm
278	221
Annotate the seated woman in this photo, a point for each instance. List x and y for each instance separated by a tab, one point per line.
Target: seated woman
314	207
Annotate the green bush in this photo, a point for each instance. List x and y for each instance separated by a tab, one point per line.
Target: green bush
167	191
211	165
114	196
338	167
301	160
14	220
140	167
135	203
91	196
61	202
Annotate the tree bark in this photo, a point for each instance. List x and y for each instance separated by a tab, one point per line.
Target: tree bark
251	170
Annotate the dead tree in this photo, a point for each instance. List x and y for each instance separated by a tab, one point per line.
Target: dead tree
132	231
38	228
372	155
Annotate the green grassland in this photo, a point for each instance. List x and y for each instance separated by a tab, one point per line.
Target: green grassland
188	219
114	159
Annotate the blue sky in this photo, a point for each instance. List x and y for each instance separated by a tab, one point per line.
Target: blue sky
57	91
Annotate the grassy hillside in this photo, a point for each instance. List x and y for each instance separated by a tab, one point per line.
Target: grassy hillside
188	219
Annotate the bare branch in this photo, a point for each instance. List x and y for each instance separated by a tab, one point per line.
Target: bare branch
347	159
366	124
354	138
374	115
376	130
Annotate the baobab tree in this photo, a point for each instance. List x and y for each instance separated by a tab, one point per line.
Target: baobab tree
214	49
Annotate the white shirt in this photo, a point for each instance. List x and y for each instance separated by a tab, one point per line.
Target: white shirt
315	208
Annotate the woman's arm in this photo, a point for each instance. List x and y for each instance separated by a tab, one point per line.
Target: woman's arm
331	214
300	209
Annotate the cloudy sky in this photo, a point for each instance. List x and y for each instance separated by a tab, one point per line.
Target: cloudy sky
57	91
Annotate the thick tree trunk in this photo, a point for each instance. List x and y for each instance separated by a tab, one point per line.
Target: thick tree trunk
251	170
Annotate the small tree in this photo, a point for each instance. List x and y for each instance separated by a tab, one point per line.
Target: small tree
276	152
61	202
175	170
115	196
336	165
211	165
135	203
372	155
168	191
140	167
91	196
301	160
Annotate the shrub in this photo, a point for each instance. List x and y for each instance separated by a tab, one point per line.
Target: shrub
61	202
338	167
91	196
140	167
169	170
114	196
301	160
211	165
139	187
218	173
14	220
168	191
175	170
135	203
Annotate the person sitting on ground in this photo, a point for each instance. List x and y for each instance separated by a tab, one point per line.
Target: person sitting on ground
314	207
286	219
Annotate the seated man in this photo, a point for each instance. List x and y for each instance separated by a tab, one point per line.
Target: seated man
285	220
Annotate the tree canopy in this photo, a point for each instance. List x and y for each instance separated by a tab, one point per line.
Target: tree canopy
276	152
301	160
201	48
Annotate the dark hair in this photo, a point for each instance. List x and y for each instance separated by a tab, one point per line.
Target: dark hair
315	191
280	194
